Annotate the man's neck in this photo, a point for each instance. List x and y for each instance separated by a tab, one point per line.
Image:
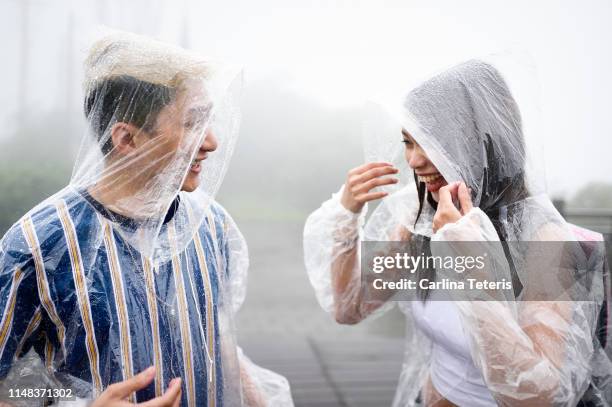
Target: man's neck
115	195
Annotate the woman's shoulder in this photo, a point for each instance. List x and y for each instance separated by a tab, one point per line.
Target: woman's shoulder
550	225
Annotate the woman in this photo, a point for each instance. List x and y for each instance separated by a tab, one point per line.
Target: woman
464	145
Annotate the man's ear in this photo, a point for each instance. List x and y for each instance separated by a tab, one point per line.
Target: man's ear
122	135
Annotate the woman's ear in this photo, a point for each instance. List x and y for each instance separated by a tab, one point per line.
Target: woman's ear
122	135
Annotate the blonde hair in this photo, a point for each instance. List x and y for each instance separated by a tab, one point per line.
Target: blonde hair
142	58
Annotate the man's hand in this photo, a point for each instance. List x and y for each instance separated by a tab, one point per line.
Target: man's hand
116	394
447	212
253	397
361	180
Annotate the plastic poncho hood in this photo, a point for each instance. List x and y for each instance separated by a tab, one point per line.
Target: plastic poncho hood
161	119
468	121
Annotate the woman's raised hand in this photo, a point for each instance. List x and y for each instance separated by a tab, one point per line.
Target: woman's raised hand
361	180
447	212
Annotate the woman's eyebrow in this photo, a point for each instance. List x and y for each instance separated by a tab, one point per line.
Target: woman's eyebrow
405	133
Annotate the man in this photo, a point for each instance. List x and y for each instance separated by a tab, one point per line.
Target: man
133	267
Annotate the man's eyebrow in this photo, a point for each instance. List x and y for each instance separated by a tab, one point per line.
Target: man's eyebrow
200	110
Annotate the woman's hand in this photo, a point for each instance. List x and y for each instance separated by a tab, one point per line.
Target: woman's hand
447	212
116	394
361	180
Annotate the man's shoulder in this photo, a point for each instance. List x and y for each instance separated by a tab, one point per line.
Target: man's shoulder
43	221
218	212
214	220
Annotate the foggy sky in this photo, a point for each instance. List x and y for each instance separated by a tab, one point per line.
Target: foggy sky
331	57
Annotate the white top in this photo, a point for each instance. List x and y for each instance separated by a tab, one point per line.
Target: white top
453	372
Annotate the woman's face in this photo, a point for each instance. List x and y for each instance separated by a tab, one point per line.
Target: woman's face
423	168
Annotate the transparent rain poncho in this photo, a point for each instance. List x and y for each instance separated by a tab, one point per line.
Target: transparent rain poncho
133	263
522	348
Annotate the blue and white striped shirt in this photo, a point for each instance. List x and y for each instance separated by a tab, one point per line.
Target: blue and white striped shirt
97	312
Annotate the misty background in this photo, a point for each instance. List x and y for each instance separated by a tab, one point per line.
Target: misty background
309	68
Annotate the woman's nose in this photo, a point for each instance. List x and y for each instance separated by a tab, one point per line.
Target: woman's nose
416	158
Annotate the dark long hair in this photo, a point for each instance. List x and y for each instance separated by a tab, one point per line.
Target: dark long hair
496	194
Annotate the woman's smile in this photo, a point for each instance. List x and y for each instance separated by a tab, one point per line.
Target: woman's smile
433	181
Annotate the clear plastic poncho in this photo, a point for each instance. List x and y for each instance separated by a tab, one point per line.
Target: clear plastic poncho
545	342
133	263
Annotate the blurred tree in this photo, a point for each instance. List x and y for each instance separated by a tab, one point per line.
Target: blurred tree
593	195
35	161
292	154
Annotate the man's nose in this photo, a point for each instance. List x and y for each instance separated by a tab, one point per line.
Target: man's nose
210	141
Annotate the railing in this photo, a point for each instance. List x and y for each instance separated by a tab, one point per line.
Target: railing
598	220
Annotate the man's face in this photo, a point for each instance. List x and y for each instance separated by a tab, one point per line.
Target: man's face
181	140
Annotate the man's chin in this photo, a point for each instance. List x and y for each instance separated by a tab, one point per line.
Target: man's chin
189	187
